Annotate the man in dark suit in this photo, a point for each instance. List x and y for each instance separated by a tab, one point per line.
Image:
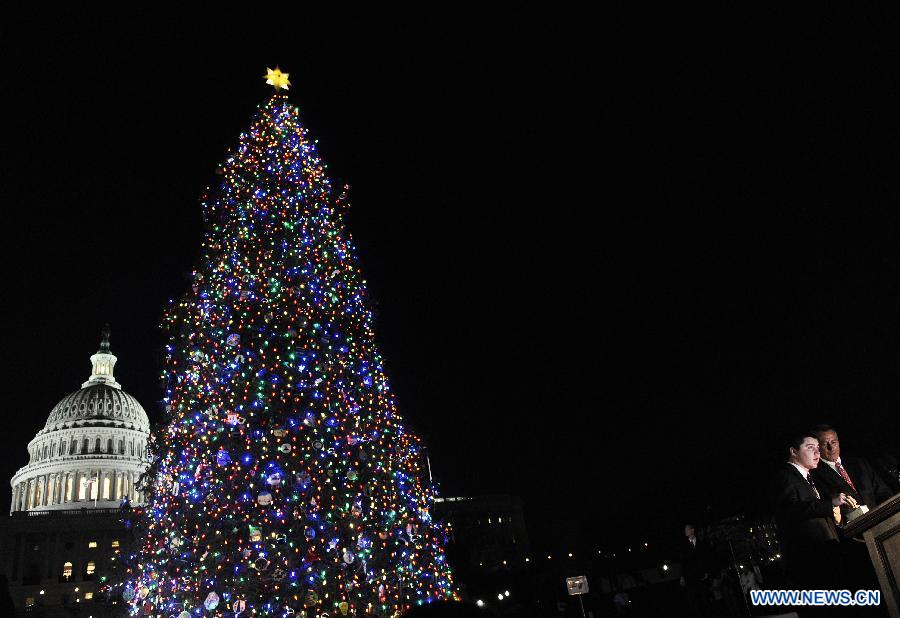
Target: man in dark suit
849	475
695	572
806	518
856	478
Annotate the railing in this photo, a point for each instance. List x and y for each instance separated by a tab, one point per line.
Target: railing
83	456
65	512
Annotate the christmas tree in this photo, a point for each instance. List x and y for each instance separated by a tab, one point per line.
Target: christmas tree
285	482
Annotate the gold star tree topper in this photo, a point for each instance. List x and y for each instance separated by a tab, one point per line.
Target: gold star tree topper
274	77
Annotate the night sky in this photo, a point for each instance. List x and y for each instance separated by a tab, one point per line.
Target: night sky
613	258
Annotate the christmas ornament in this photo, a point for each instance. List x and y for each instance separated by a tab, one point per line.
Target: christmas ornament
311	599
211	602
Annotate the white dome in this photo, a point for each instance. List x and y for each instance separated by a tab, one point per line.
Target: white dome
92	450
101	405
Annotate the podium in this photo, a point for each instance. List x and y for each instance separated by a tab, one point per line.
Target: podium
880	528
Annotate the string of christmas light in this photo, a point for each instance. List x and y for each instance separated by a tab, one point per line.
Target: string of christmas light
285	482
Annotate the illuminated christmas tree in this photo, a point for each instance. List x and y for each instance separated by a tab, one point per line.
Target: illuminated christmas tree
285	482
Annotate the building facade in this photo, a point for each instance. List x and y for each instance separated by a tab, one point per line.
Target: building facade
64	531
487	532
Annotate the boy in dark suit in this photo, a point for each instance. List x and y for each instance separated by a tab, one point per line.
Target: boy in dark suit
806	517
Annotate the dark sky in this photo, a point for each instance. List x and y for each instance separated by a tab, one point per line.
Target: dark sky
614	256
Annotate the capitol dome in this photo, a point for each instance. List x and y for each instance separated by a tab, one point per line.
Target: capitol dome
98	402
92	450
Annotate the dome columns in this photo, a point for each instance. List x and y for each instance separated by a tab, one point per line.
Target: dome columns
74	489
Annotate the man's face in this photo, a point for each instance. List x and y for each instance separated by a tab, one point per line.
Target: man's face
689	531
829	445
807	455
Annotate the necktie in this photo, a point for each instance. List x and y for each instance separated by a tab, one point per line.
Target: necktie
810	481
844	475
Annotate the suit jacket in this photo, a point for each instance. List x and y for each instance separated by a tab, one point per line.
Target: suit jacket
805	521
694	561
870	489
